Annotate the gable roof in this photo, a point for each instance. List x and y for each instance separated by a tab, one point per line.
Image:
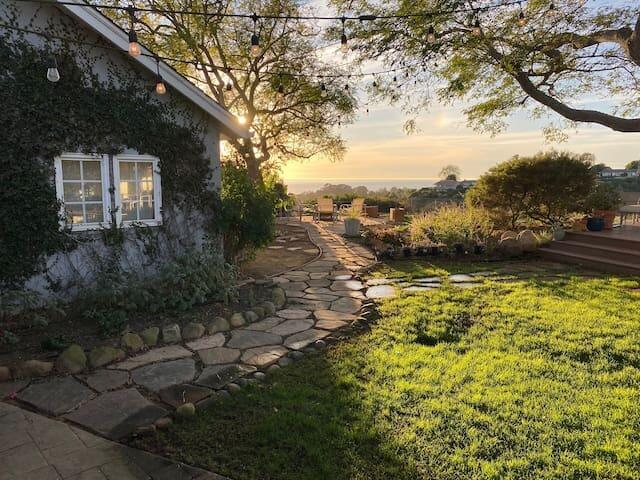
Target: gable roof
113	33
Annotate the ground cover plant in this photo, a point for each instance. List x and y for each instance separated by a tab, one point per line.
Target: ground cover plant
537	378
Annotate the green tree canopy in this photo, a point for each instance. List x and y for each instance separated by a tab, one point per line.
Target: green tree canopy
450	172
290	115
635	165
543	188
514	57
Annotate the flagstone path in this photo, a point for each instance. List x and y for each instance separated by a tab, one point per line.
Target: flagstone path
124	398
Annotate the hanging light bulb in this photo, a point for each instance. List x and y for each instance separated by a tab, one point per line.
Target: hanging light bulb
476	30
53	75
344	47
228	87
255	40
161	88
395	79
553	12
367	112
431	34
281	91
522	20
323	88
134	47
375	84
346	87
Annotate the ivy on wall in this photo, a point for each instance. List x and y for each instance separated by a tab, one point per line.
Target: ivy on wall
40	120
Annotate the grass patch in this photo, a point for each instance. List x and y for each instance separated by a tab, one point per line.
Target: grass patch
533	379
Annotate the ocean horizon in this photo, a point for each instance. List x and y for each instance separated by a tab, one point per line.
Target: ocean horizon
306	185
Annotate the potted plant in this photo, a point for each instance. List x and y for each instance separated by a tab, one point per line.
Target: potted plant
352	223
604	202
558	231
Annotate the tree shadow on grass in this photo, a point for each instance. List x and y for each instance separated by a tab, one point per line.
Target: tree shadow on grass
309	422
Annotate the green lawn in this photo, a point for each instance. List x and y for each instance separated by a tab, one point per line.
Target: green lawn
527	380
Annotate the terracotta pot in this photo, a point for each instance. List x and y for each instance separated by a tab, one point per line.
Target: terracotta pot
608	215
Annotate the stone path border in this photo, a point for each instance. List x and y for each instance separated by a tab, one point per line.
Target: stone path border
140	394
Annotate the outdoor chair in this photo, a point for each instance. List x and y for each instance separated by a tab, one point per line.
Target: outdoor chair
357	204
295	210
325	209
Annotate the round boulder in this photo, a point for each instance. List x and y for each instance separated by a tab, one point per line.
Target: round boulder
192	331
528	241
278	297
237	320
72	360
150	336
218	324
131	342
510	247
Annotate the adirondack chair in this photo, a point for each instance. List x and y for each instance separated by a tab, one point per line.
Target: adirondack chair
325	209
356	204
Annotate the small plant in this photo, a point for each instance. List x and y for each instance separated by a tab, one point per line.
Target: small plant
603	197
55	344
352	213
8	338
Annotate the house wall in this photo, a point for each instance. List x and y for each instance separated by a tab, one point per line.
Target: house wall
140	252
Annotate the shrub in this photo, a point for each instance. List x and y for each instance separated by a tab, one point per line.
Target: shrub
604	197
544	188
190	280
451	225
247	213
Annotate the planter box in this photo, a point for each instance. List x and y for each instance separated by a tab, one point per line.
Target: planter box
352	227
371	211
396	215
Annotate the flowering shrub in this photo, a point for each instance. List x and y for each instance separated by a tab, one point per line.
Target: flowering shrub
452	225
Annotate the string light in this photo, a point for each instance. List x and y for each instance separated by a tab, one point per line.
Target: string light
255	40
228	87
53	75
553	11
134	47
431	34
343	39
161	89
281	90
522	20
476	30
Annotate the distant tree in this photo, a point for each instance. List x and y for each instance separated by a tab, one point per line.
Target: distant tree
544	188
635	165
598	167
450	172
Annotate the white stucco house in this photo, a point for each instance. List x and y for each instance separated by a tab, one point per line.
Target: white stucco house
617	173
125	184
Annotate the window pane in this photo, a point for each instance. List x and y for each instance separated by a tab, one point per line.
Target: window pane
74	213
91	170
128	191
71	170
127	171
72	192
128	210
94	213
92	192
145	171
146	209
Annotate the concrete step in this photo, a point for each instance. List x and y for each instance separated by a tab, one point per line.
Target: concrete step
607	239
606	252
590	261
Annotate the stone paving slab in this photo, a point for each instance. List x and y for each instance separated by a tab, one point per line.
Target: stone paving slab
177	395
248	339
264	356
265	324
293	314
117	414
381	291
347	305
104	379
334	315
219	355
217	376
170	352
210	341
8	389
330	324
303	339
56	396
157	376
289	327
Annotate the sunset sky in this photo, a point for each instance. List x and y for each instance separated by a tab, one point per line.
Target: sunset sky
379	149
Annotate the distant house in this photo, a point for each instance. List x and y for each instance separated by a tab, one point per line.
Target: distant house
454	184
617	173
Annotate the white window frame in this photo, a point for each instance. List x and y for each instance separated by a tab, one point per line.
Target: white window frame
106	201
157	189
